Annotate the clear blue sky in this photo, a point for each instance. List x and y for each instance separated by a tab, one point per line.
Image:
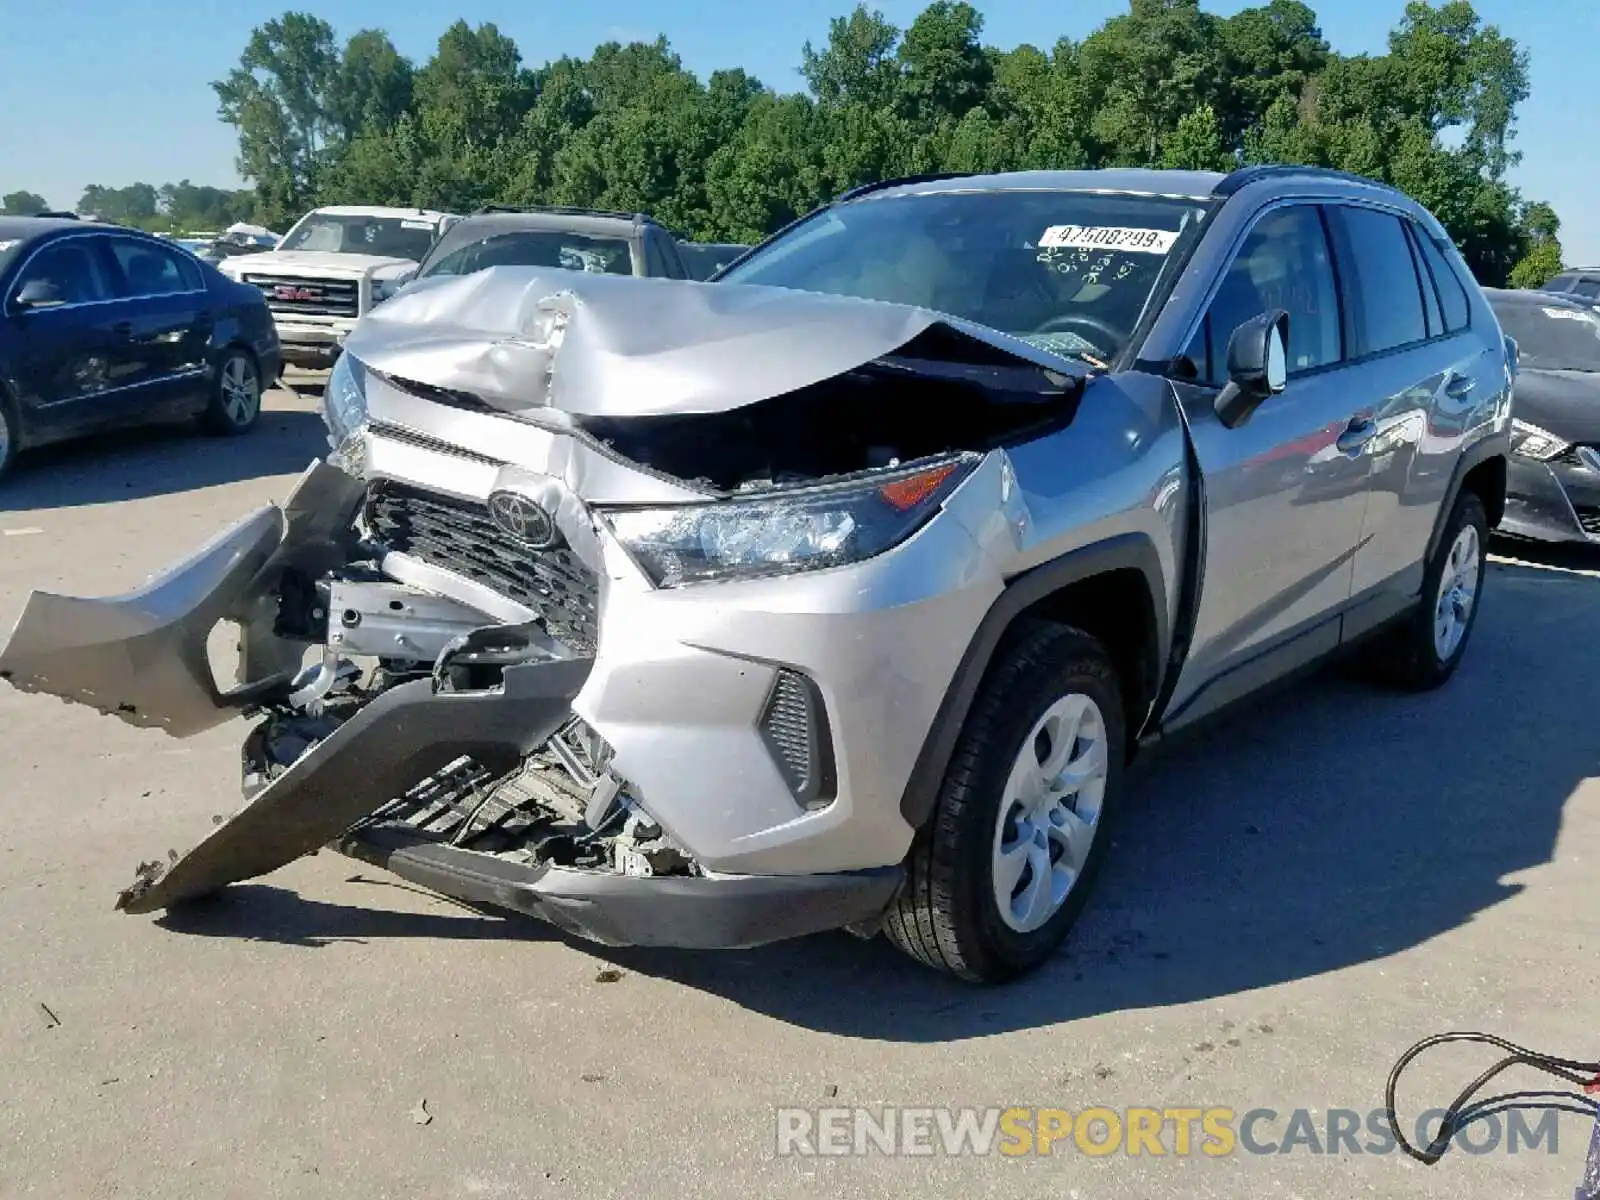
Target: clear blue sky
113	91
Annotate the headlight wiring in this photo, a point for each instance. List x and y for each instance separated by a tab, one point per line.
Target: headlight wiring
1465	1109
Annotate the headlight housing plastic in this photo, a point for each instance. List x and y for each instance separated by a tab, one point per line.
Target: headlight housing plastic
1530	441
344	400
787	530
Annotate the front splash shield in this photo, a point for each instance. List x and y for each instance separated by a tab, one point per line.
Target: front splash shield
405	735
142	656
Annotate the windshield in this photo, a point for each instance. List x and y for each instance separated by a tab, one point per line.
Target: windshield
534	248
1069	272
389	237
1552	337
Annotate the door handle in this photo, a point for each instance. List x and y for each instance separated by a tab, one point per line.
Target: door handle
1356	435
123	329
1459	387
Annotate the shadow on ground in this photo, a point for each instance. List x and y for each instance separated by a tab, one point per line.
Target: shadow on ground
1337	824
160	460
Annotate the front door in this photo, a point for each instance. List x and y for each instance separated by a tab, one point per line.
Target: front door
1283	498
76	364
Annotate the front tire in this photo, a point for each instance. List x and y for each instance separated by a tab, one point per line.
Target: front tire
235	396
1424	652
999	874
10	436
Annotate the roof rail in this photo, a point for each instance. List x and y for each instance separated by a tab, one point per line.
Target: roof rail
901	181
58	215
567	210
1241	178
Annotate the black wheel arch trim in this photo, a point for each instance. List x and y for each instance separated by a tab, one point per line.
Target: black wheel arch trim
1474	456
1135	551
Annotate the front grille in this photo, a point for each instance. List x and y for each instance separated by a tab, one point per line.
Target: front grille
794	725
459	536
1588	518
301	296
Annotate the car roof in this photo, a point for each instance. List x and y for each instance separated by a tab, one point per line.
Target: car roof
24	229
615	225
379	210
1290	179
1192	184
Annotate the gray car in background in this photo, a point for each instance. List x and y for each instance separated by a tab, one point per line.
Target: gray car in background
573	239
842	591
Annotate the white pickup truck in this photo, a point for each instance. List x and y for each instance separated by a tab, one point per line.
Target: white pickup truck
331	268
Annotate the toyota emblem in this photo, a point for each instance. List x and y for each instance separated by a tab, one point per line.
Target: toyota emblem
522	519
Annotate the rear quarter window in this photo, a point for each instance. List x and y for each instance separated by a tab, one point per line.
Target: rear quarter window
1446	282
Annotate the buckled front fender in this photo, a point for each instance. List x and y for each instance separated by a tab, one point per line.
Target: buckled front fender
142	656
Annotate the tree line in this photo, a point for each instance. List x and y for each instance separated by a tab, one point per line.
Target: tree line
730	158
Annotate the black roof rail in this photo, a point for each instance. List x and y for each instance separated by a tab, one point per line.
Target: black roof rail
900	181
58	215
1241	178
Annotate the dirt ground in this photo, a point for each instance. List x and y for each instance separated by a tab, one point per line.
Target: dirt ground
1291	903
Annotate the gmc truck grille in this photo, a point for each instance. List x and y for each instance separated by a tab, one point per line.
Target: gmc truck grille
459	536
296	296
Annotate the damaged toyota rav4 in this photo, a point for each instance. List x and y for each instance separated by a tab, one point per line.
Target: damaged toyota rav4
837	593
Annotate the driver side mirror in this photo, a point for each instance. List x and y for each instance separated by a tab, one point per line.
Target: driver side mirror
39	293
1258	366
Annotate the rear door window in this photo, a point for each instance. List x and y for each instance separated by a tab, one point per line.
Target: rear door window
1381	280
1587	287
151	270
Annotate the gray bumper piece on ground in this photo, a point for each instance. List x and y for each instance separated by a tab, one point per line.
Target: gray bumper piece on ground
725	912
402	737
142	657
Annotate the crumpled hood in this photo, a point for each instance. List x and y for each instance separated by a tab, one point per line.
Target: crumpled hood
288	262
625	346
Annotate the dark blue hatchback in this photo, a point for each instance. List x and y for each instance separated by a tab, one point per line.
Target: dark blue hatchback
103	327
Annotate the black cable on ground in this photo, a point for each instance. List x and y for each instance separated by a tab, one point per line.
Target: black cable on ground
1585	1075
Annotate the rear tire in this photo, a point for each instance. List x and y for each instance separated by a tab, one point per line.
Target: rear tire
998	875
235	396
1423	653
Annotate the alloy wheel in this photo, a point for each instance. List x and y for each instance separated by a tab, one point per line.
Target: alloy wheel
1050	812
1458	592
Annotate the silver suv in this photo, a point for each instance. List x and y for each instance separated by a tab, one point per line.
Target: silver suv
838	593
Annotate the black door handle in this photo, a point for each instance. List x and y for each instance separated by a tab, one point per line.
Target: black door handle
123	329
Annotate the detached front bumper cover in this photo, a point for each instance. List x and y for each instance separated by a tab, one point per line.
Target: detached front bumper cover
142	657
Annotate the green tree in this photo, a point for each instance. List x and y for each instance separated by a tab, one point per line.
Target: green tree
135	204
22	204
1542	260
1197	144
281	100
858	65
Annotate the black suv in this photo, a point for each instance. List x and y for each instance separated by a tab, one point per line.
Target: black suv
104	327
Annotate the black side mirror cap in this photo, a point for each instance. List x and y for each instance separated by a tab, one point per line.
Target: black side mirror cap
1258	366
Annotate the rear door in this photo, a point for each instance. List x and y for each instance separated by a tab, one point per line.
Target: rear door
1430	378
1283	502
74	368
170	322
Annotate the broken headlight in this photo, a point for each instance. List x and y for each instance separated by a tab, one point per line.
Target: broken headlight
344	400
785	530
